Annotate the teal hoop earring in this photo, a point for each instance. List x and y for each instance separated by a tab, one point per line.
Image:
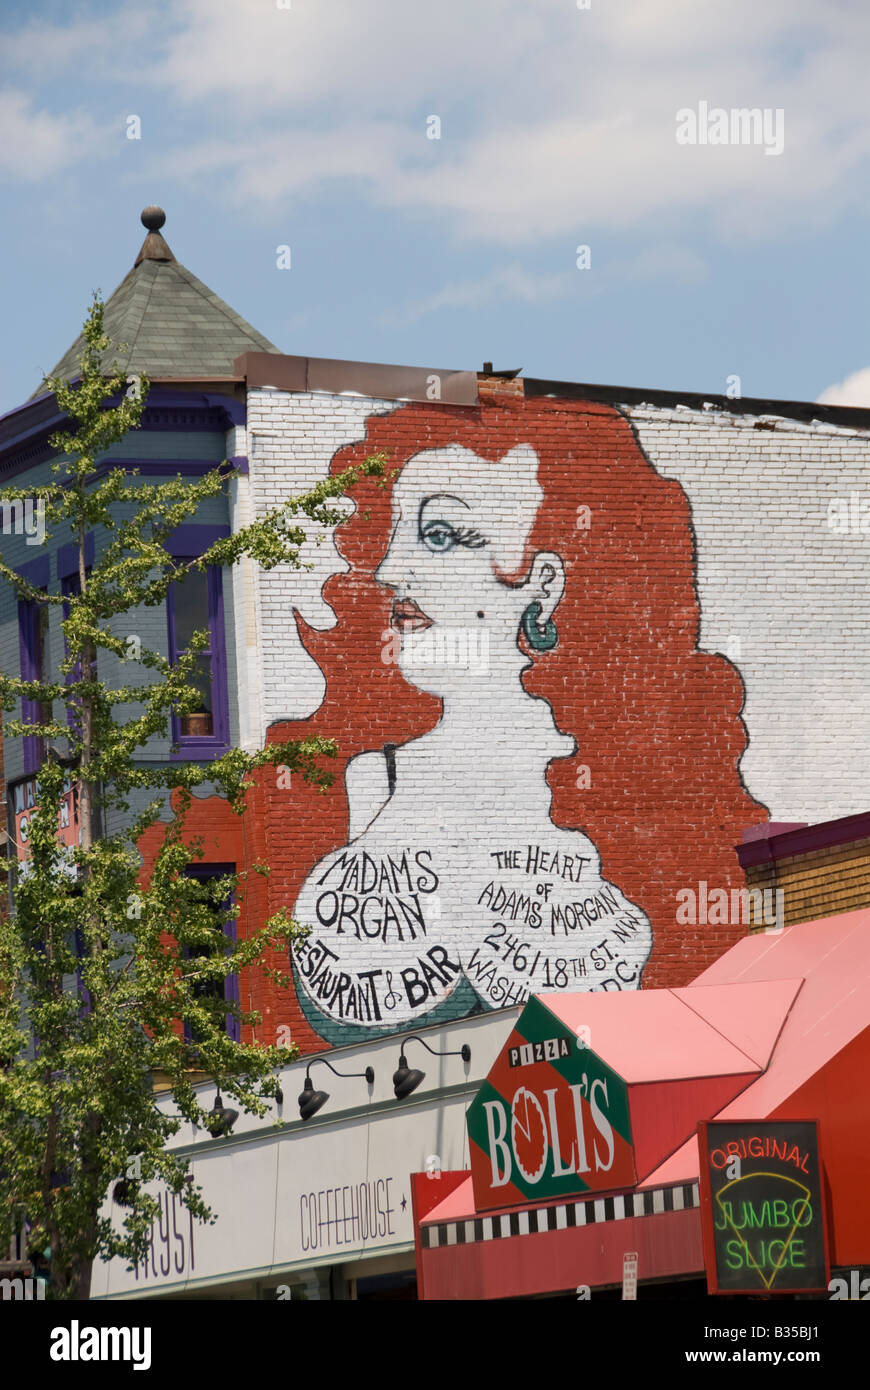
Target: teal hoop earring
539	639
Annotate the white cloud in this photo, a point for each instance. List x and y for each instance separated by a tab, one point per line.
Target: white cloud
854	390
36	142
556	122
113	46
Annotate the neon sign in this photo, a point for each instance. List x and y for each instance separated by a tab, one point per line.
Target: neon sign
764	1219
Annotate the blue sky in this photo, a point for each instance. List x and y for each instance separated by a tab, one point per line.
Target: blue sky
306	125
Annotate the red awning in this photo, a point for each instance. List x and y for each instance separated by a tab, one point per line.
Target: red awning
786	1016
538	1250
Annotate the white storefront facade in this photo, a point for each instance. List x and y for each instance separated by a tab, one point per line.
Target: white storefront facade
317	1209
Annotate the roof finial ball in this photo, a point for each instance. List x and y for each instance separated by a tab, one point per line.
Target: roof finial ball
153	217
153	248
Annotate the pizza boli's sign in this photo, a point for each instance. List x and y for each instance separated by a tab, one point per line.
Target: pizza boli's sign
551	1120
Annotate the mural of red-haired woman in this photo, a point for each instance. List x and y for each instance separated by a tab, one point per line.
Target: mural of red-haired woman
534	756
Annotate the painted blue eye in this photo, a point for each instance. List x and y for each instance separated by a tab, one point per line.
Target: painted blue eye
439	536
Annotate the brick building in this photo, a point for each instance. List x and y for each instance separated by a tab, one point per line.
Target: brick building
583	643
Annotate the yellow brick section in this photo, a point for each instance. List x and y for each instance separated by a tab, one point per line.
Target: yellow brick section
819	884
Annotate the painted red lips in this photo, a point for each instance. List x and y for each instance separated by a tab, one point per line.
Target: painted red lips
408	616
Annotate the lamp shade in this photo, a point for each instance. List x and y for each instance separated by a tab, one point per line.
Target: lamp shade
405	1080
310	1101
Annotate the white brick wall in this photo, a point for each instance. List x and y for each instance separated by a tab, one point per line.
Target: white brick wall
291	441
781	593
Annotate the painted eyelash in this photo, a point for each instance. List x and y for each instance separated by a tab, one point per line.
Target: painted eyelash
468	536
459	535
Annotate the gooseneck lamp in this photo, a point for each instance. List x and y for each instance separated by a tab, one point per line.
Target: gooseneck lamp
406	1080
310	1101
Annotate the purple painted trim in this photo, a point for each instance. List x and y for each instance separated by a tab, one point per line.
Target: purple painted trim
68	557
190	540
28	405
181	419
36	571
231	982
804	841
30	654
30	457
164	395
69	586
194	541
23	441
45	418
239	461
197	749
212	409
237	410
220	742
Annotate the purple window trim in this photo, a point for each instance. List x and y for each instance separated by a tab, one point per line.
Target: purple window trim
231	982
185	544
189	541
37	572
30	650
68	558
69	586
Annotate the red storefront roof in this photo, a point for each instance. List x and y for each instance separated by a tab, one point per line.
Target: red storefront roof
831	1012
782	1021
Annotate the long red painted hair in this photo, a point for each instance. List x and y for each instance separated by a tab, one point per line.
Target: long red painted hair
656	722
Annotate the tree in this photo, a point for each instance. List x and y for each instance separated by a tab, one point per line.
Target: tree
106	979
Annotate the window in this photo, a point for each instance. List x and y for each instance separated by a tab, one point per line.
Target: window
70	587
32	635
226	989
195	603
32	624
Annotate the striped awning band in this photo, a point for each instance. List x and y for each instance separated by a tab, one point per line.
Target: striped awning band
562	1216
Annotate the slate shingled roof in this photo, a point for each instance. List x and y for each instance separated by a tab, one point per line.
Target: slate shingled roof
172	324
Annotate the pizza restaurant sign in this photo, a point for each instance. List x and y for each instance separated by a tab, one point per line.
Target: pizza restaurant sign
24	803
551	1119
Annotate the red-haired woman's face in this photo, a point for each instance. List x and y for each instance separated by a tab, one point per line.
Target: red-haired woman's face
459	525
